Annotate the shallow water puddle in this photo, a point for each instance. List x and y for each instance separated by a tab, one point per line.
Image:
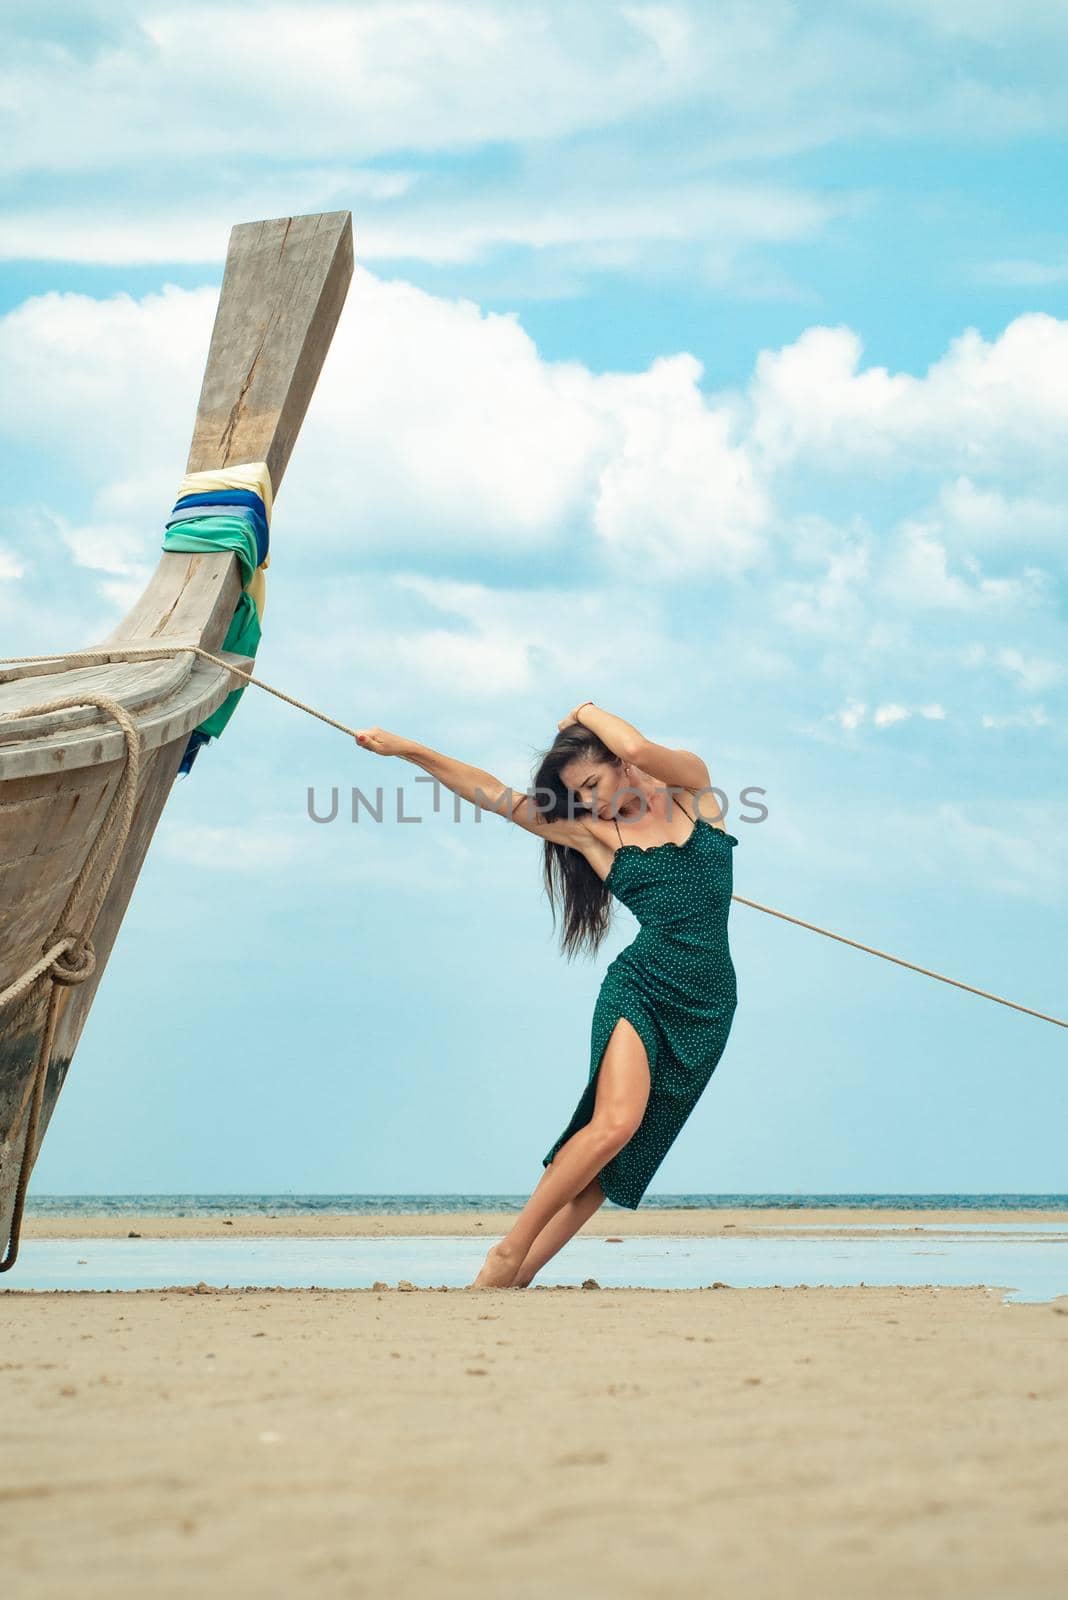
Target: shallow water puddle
1023	1261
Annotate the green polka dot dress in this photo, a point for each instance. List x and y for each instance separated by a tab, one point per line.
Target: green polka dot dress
675	983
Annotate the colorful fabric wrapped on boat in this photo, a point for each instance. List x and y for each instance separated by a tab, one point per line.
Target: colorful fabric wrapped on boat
228	508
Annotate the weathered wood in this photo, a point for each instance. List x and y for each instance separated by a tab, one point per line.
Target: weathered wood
18	1052
44	826
189	596
135	684
94	737
283	289
262	368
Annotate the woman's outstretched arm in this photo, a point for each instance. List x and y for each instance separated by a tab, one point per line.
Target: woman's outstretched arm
470	783
474	784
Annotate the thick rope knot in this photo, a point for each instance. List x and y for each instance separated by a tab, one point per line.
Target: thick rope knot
74	964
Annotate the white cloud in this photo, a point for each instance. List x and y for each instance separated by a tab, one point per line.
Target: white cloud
918	572
110	547
834	603
1031	673
973	517
855	713
1019	274
984	407
678	493
810	397
107	230
1009	845
484	643
1031	717
851	715
309	80
571	220
107	384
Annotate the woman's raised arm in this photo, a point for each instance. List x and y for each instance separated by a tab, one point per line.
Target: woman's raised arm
681	769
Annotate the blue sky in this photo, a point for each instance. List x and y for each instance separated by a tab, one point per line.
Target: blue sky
708	361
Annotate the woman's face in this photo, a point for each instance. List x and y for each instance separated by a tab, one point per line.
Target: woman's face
595	783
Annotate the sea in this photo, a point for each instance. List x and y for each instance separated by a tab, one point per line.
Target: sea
282	1205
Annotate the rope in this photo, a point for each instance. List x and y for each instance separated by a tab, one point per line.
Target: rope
1057	1021
69	957
148	652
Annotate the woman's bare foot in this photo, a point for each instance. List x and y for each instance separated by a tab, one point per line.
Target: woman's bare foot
498	1269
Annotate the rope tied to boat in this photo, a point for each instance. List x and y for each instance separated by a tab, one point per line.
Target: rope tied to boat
78	963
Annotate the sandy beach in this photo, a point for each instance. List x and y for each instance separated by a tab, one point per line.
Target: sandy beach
772	1442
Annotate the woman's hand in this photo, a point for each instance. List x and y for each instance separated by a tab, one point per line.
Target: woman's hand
573	716
382	743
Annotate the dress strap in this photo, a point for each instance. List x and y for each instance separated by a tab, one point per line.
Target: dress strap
675	800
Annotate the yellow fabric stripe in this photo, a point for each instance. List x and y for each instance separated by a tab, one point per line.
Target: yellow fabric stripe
257	588
246	475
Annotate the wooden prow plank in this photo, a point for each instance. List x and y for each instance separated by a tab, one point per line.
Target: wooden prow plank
283	288
262	369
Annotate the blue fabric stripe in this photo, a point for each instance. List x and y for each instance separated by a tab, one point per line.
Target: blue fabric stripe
225	497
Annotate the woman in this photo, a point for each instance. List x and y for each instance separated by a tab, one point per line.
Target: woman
619	815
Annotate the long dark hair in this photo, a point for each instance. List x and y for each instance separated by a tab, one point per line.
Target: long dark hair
568	876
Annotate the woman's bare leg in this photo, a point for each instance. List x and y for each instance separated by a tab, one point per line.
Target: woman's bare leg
623	1085
558	1230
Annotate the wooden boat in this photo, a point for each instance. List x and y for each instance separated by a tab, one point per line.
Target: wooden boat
283	288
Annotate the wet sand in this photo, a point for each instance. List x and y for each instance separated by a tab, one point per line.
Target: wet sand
544	1442
704	1223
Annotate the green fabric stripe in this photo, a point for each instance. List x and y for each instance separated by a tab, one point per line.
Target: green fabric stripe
243	635
217	533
